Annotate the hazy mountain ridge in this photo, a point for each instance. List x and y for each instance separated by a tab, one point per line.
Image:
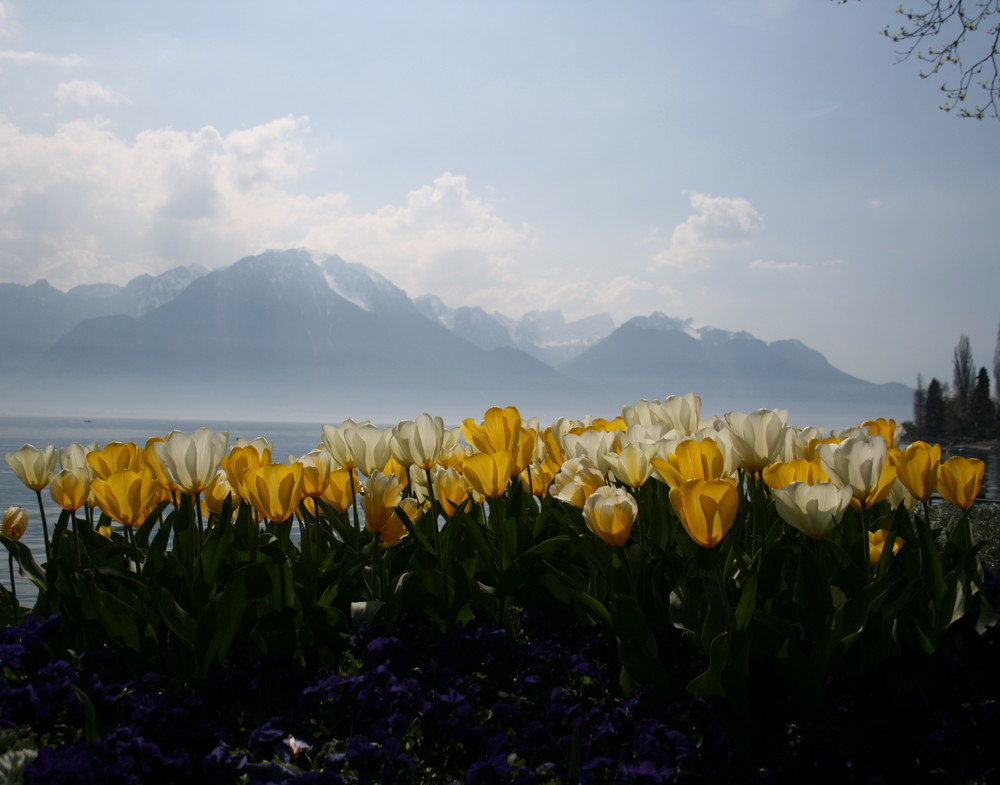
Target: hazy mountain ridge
290	335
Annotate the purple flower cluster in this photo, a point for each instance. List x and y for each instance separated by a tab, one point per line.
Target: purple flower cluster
537	703
478	705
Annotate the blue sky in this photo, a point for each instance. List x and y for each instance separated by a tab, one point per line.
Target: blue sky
761	165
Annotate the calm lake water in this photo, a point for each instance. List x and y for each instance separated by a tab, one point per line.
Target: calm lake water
288	438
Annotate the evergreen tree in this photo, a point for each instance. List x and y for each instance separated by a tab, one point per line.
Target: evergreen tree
981	410
934	410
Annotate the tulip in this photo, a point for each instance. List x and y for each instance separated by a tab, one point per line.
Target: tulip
418	442
489	473
859	463
113	457
500	430
190	461
335	443
341	489
900	497
591	444
32	465
15	521
682	412
960	480
451	489
70	488
381	496
552	442
75	456
691	459
241	460
644	412
316	467
538	476
275	490
876	544
368	447
576	480
127	496
887	429
707	508
216	494
813	509
632	465
918	467
412	509
784	473
760	438
609	513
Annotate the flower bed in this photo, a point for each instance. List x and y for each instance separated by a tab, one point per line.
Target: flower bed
654	598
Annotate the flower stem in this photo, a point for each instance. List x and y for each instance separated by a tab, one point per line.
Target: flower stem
45	526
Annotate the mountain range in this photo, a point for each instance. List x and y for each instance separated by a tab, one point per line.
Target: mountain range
289	335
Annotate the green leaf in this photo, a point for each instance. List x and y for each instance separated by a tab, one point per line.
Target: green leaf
27	566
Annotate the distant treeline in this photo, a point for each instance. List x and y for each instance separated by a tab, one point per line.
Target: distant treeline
963	410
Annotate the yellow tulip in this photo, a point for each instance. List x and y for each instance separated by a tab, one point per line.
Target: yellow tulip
395	530
500	430
275	490
381	497
32	465
316	466
691	459
784	473
609	513
538	476
489	473
113	457
15	521
70	488
241	460
707	508
451	490
876	544
960	480
918	467
887	429
127	496
553	445
216	494
342	485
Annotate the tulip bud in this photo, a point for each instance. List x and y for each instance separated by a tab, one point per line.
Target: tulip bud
15	521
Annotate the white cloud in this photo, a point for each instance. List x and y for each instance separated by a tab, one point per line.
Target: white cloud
717	224
764	264
8	25
17	58
84	93
444	239
83	205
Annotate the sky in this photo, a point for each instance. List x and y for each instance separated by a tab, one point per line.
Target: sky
757	165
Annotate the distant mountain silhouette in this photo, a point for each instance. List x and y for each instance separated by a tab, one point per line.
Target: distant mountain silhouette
286	335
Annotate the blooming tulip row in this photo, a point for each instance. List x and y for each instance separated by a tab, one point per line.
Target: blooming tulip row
611	513
812	476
